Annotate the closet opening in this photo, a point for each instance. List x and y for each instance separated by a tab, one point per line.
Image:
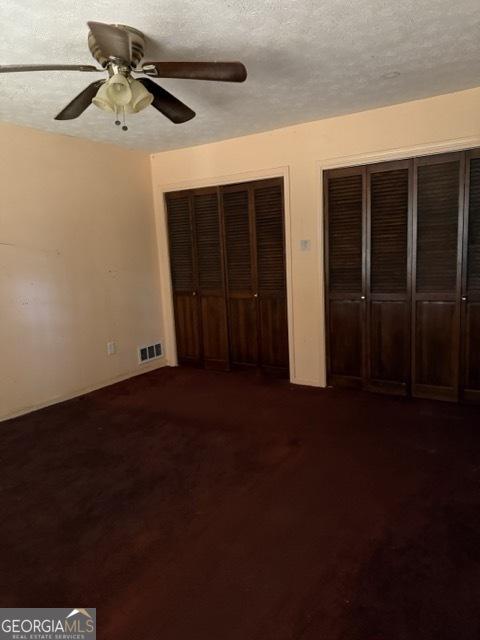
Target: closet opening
228	268
402	276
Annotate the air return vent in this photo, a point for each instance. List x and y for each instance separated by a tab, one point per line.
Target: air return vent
150	352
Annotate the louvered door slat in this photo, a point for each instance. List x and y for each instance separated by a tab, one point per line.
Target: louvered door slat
437	227
270	240
181	243
237	240
389	231
345	198
207	228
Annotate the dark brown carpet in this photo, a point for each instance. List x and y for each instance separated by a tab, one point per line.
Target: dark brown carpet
189	505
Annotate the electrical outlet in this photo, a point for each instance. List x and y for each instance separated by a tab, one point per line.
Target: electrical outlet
111	348
304	245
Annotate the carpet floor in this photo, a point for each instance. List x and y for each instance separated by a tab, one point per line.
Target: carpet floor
192	505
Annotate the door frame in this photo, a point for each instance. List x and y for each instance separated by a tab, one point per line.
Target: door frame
164	256
371	157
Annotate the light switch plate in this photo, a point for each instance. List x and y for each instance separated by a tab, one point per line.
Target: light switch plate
111	348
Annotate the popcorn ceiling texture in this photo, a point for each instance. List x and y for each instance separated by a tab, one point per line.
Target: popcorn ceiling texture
306	60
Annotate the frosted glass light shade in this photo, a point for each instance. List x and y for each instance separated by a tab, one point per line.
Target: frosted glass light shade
121	93
119	90
141	98
102	99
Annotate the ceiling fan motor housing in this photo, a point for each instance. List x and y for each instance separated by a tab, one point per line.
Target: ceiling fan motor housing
137	40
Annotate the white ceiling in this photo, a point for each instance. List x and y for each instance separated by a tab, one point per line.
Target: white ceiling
307	59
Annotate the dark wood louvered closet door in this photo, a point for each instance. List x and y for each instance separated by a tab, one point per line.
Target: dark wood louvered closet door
471	281
211	285
437	275
227	254
240	269
255	267
184	278
410	248
344	192
388	276
270	274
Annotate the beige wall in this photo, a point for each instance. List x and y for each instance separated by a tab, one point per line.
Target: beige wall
300	152
78	266
78	238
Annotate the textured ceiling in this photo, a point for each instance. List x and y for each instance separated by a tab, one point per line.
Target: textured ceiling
306	60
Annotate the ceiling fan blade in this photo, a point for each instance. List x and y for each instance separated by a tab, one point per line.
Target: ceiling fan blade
167	104
221	71
78	105
13	68
114	42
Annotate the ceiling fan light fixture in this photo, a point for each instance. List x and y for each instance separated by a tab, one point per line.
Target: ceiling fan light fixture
141	98
119	49
102	99
119	90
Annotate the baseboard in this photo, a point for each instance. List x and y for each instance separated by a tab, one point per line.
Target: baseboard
160	363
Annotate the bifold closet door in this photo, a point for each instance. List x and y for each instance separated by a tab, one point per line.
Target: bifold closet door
345	235
271	295
238	221
184	278
196	261
210	290
253	218
471	281
227	254
438	227
388	276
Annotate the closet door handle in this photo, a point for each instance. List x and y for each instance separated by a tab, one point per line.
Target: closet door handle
362	297
464	298
255	295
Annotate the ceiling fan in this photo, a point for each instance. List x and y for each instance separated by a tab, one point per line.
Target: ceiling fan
119	50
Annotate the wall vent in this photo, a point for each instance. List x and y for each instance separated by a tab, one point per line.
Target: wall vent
150	352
